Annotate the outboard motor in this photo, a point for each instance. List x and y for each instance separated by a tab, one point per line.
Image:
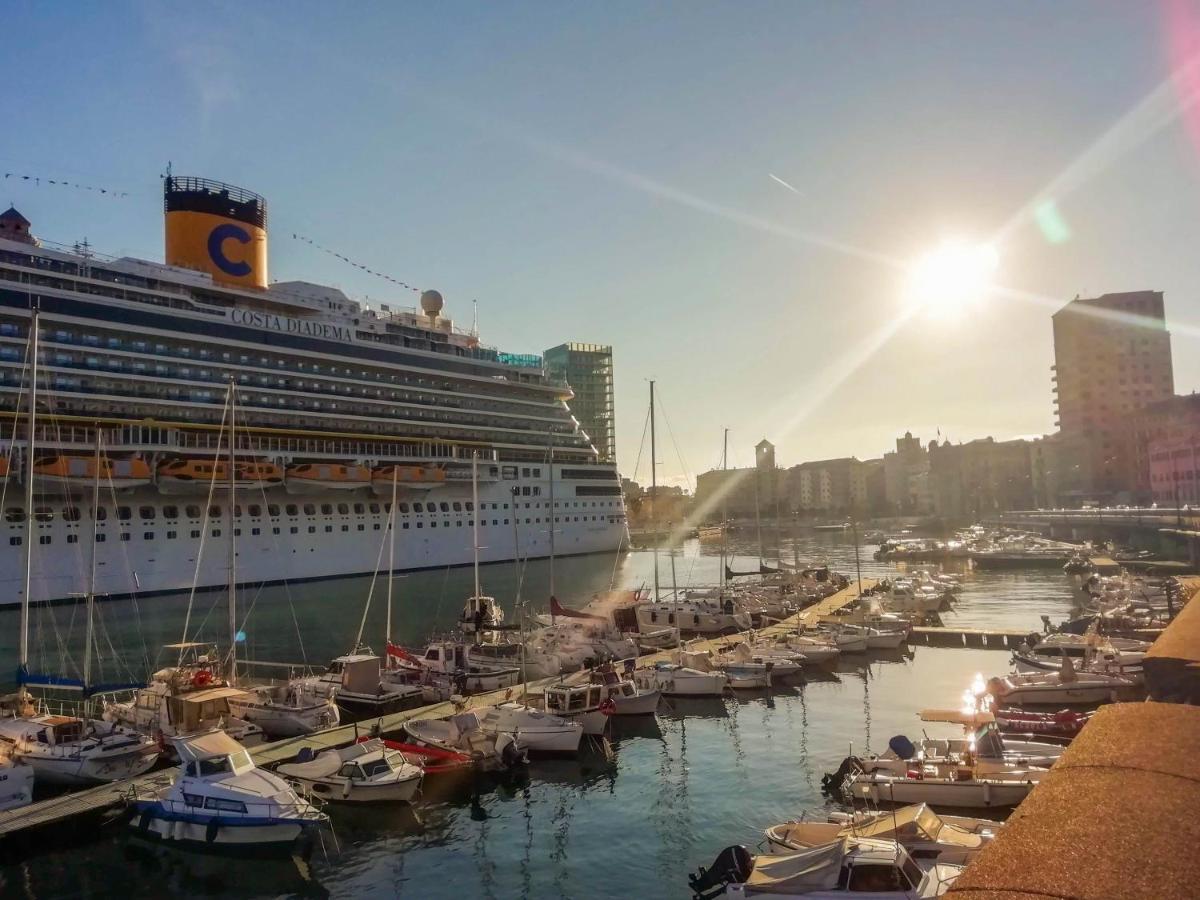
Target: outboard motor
732	866
831	782
902	747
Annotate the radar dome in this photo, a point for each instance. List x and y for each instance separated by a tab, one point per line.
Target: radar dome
431	303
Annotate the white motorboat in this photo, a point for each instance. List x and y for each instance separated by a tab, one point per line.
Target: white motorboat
16	784
66	750
845	640
853	868
680	681
984	742
462	733
480	614
877	639
953	782
814	650
922	832
471	668
184	700
220	798
366	772
1084	644
628	698
784	663
740	676
287	709
1064	687
607	694
537	730
908	595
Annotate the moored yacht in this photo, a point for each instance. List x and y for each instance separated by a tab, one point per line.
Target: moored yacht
67	750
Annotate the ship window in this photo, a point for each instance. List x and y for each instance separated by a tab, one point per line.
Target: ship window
309	509
101	538
44	538
359	509
146	512
214	512
195	800
525	472
100	513
254	531
433	524
216	532
328	529
345	528
191	511
72	539
343	509
457	506
417	507
14	541
470	505
71	514
124	535
43	513
376	527
170	512
291	509
312	529
405	524
420	524
537	473
326	509
374	507
255	511
272	509
525	491
171	535
237	510
124	513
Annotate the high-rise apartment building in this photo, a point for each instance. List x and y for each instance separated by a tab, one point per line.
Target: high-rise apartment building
1112	357
588	369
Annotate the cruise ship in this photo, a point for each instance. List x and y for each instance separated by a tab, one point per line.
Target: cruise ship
339	409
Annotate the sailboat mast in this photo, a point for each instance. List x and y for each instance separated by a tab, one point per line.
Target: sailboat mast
724	508
653	494
31	425
232	544
91	593
475	521
387	629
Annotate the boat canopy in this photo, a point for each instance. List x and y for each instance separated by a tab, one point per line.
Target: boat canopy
798	873
208	745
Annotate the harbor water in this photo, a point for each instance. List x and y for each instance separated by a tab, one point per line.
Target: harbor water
675	792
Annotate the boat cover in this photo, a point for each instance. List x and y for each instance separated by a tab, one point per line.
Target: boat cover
798	873
325	765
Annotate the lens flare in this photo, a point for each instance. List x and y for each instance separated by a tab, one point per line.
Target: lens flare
955	274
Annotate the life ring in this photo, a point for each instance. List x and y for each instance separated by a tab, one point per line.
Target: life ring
608	706
202	678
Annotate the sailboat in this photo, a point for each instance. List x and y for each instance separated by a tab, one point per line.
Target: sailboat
195	695
59	749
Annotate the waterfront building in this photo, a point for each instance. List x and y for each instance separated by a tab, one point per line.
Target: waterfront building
978	478
829	485
1112	358
588	369
337	404
906	476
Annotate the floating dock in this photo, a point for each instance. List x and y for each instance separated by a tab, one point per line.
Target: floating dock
95	801
978	638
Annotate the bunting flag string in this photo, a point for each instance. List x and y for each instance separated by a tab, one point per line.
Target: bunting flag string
357	265
39	180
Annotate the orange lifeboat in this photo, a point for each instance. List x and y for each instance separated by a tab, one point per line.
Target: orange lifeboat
195	476
61	472
410	478
311	478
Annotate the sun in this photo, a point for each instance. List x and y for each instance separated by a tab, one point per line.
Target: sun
955	274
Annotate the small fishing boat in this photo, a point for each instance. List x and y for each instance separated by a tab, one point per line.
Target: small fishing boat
287	709
951	782
463	733
1064	687
674	680
853	868
68	750
365	772
220	798
922	832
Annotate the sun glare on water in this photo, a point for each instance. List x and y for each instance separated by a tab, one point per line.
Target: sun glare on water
953	276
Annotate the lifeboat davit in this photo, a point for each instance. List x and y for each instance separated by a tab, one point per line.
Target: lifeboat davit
61	473
410	478
196	476
311	478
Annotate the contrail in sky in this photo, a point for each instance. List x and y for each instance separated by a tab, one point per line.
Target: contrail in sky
784	183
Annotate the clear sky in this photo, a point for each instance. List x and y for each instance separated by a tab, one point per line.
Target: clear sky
603	172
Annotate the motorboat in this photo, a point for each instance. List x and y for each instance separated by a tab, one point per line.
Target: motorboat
471	668
220	798
1065	723
847	641
909	595
966	782
674	680
537	730
16	784
628	698
739	675
286	709
463	733
357	683
1079	645
984	742
783	662
365	772
480	614
435	762
187	699
1064	687
68	750
877	639
605	695
922	832
854	868
815	650
1127	664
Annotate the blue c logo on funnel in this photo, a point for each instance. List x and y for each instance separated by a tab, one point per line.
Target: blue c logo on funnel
216	240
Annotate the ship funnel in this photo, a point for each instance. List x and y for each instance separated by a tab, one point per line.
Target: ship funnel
216	228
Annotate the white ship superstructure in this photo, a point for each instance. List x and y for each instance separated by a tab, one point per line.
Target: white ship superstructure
338	406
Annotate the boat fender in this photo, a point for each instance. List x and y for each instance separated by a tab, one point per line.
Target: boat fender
210	833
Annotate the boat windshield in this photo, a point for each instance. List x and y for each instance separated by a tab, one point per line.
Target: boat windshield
217	765
929	824
376	767
911	871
